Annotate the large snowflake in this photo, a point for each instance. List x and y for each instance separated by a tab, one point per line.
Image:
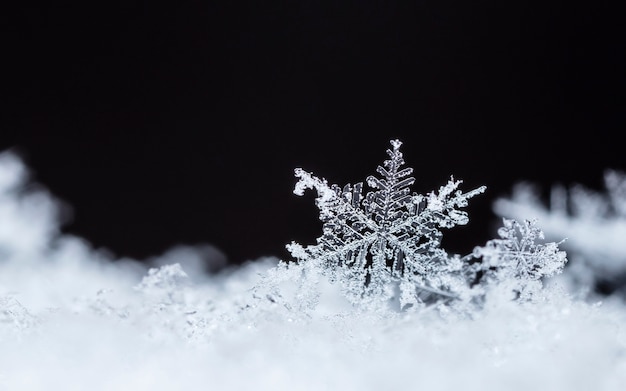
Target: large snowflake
387	243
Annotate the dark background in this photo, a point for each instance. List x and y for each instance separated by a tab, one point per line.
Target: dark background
182	123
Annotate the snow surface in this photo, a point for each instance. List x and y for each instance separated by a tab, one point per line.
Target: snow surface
74	318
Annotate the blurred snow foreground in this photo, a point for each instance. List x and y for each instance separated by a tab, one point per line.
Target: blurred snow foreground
74	318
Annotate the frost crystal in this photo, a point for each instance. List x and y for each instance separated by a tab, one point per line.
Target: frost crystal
386	242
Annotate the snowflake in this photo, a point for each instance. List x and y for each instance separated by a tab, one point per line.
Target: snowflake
517	261
386	241
594	222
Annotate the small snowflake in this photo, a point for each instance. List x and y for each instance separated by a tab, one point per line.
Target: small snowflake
517	260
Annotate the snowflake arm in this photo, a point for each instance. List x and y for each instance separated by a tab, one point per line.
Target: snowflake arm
440	211
331	200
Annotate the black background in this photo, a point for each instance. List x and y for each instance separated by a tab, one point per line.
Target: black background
181	123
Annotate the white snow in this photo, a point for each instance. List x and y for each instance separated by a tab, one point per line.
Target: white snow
74	318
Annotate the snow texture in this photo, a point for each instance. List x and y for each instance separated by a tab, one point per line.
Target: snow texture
73	317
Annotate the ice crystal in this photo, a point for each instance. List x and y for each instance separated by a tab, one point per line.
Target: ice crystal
386	243
593	221
517	260
164	282
13	315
